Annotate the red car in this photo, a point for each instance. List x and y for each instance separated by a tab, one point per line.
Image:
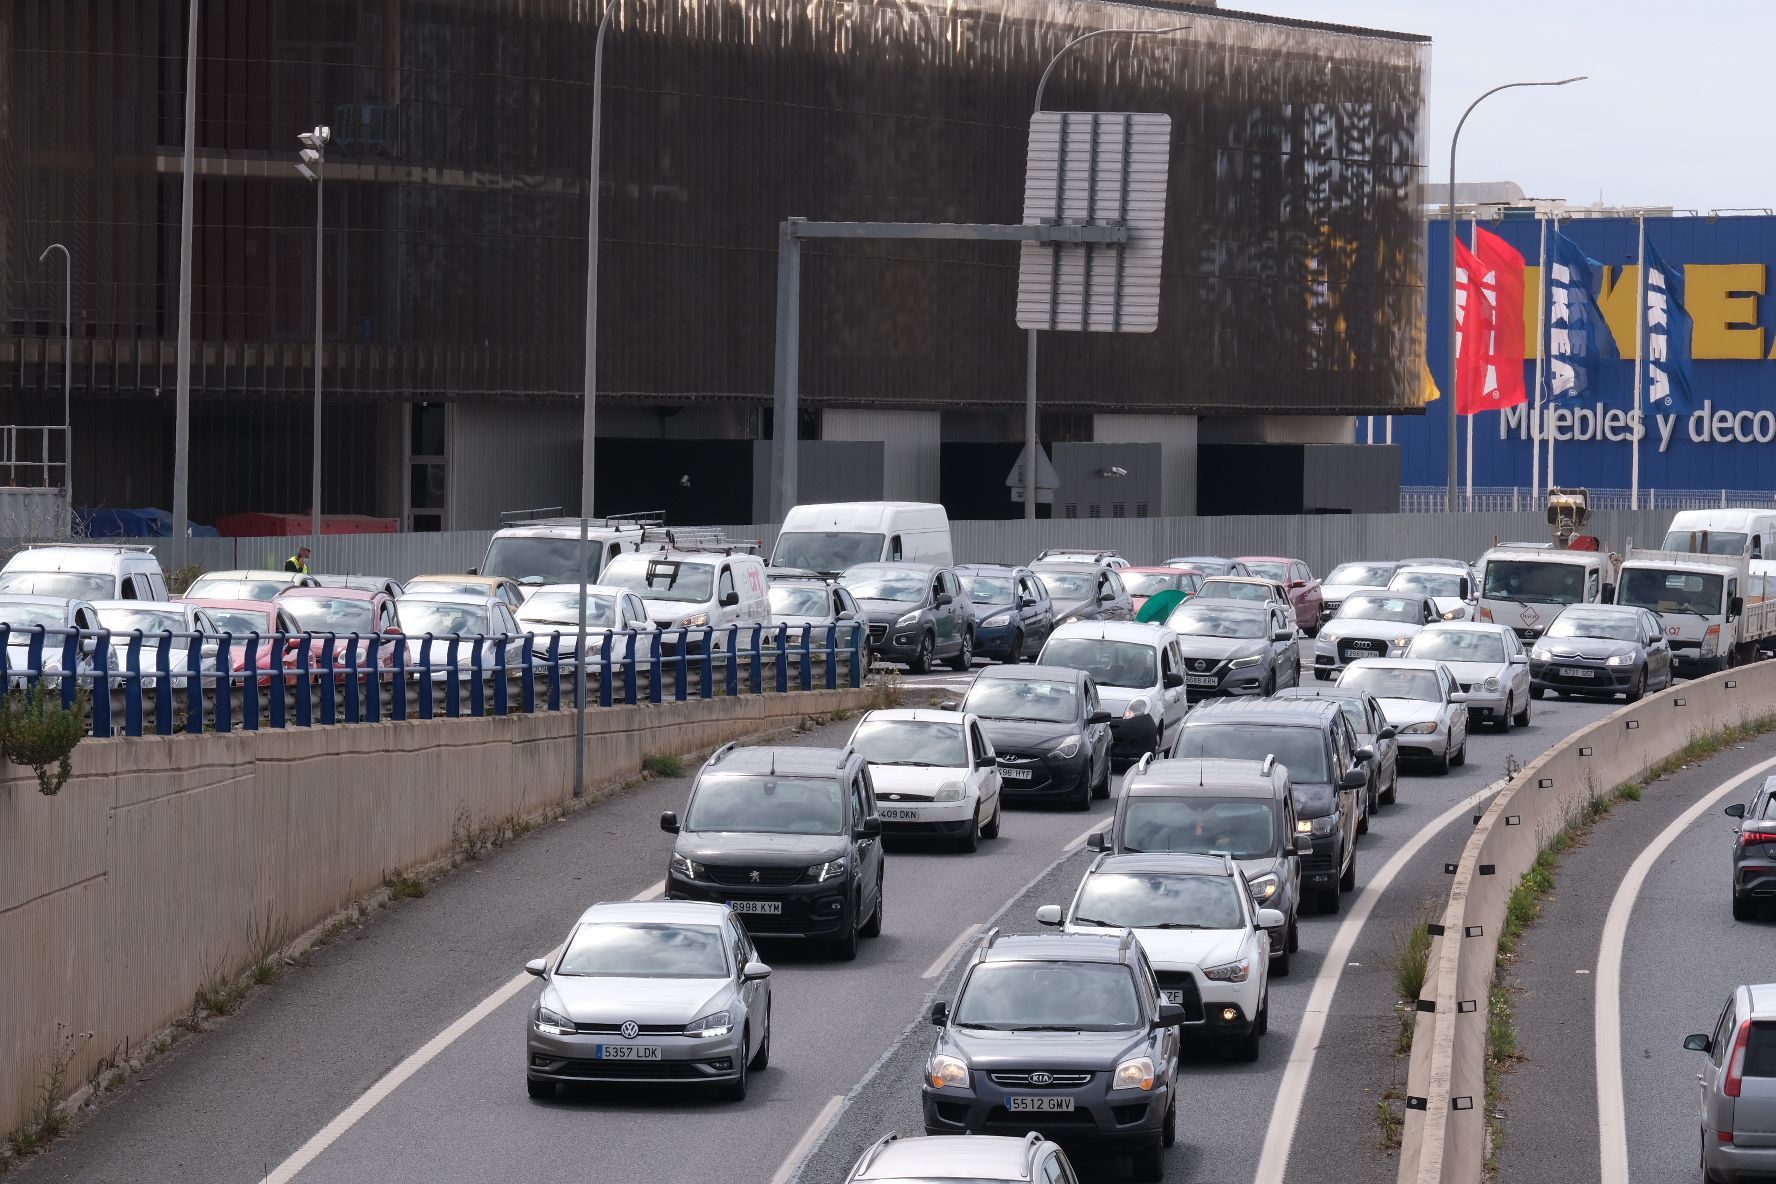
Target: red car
1292	574
342	612
238	618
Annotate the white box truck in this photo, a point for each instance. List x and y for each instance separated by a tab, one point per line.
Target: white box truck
1525	587
1717	610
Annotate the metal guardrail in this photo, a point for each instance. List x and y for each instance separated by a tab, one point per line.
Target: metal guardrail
196	683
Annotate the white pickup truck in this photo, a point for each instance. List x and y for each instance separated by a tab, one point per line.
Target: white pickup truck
1718	610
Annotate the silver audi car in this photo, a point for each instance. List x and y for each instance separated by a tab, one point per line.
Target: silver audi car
667	991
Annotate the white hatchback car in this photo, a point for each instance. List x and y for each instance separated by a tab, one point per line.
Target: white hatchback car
965	1159
1139	670
1453	590
1207	941
1422	701
1370	623
1488	661
935	773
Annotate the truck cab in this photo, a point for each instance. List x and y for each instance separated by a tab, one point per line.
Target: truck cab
1525	588
1713	608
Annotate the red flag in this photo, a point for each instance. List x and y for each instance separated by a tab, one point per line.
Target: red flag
1505	385
1474	321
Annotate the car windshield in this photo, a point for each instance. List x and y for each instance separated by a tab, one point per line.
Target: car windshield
1197	619
1200	826
1532	580
897	585
331	614
441	620
917	742
240	621
1719	542
1428	583
28	616
1110	663
1032	996
610	950
1070	585
1361	575
1671	591
799	600
1266	569
761	804
987	590
229	588
72	584
1235	590
1370	607
147	618
654	578
1038	700
1207	565
1458	645
1302	750
830	551
1394	682
1612	626
1147	583
537	561
1146	900
558	608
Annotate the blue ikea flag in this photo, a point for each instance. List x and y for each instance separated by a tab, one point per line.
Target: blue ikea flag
1576	338
1667	332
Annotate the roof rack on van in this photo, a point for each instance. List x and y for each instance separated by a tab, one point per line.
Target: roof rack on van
1146	759
716	756
1270	763
875	1149
697	538
1033	1144
636	521
145	548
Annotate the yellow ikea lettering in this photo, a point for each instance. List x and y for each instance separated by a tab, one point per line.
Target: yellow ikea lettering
1722	299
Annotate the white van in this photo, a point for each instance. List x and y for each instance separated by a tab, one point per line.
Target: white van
1750	534
696	589
85	571
1525	587
547	551
833	537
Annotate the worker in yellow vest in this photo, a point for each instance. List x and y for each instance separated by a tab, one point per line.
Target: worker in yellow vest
298	562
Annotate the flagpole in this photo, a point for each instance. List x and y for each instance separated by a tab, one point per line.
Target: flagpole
1640	288
1535	412
1473	245
1556	221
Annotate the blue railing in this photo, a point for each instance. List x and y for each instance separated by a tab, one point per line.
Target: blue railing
166	683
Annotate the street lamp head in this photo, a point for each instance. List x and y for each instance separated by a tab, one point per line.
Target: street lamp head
307	173
318	138
310	156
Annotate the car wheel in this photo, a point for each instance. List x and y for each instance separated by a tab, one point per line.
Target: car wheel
1148	1163
1638	690
1536	692
873	926
970	840
1504	719
762	1058
1743	910
735	1090
539	1091
921	661
1363	818
1101	790
1392	793
1294	941
844	947
1440	766
1461	754
1327	899
1246	1048
1270	684
991	829
1017	648
1087	791
1168	1132
965	656
1522	718
1348	881
1279	965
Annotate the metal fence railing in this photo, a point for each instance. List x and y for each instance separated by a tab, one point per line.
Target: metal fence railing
1434	499
167	683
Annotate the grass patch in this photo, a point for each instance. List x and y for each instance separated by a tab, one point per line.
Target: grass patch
405	887
666	764
1412	951
885	689
1390	1118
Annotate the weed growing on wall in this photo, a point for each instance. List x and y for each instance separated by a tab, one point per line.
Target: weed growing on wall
36	730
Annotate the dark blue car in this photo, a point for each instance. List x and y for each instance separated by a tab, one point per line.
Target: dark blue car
1014	613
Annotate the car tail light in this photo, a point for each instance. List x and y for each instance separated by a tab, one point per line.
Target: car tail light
1485	614
1752	838
1736	1061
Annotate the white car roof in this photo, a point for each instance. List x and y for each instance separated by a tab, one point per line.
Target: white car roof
446	598
1394	664
951	1157
1144	632
251	573
574	590
124	606
1466	627
684	912
93	560
927	714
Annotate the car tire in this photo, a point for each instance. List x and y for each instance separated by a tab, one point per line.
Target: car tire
873	926
1168	1131
1637	692
539	1091
1327	900
965	656
991	829
1392	793
844	948
1017	649
1743	910
1270	684
1147	1163
1440	766
1293	942
969	843
1505	716
1347	881
1323	675
1461	754
735	1091
1522	718
920	663
762	1058
1536	692
1279	965
1101	790
1363	818
1247	1047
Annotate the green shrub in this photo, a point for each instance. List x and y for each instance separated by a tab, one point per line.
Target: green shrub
36	730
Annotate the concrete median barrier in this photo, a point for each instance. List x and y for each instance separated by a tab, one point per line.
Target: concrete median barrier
1444	1140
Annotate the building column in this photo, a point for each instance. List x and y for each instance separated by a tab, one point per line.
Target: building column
1176	437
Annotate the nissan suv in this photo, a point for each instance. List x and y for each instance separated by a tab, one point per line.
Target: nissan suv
1065	1035
789	838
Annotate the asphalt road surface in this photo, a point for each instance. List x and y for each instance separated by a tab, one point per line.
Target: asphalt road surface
396	1055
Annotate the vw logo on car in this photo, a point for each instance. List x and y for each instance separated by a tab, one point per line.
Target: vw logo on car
630	1029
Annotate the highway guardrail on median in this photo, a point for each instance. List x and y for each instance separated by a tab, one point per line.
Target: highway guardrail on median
1444	1138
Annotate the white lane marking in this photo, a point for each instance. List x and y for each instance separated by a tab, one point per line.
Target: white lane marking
389	1082
1285	1111
949	951
1075	844
787	1170
653	891
1606	1039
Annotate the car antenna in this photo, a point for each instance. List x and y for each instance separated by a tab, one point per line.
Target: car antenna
773	764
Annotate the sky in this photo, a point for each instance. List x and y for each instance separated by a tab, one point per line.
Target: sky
1676	110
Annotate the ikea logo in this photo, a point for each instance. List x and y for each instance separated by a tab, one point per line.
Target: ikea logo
1722	298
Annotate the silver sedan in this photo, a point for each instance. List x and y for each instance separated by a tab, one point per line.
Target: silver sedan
656	991
1423	703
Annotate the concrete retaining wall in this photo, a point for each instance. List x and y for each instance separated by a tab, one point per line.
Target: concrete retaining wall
1445	1128
121	895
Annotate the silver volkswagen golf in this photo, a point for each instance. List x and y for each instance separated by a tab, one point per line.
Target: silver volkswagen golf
668	991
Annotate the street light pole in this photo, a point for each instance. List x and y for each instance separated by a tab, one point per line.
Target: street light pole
67	373
1449	496
182	364
589	412
313	165
1030	441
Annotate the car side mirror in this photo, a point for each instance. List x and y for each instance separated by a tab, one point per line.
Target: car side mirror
1098	717
1048	914
1304	845
1283	635
1519	659
669	822
1106	597
1026	602
1097	841
1698	1042
1298	584
1736	810
1353	779
847	615
1458	697
1173	680
537	966
1365	754
754	972
943	598
1387	733
1270	919
869	828
1735	606
940	1013
1171	1015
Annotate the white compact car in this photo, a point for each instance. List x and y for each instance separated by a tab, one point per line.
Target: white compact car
1370	624
1422	701
1452	590
1346	578
1194	916
1490	664
1139	670
555	608
934	771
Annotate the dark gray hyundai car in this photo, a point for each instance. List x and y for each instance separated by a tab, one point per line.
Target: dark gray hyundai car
1754	852
1064	1035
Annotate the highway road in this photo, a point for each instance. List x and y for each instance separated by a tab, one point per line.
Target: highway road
395	1054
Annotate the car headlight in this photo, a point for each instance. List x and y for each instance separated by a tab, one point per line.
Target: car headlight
1455	614
1137	706
1492	684
1251	660
950	791
695	621
1265	887
1134	1074
946	1070
1618	660
1319	827
1541	655
1401	643
1068	749
820	873
1003	616
1229	972
552	1023
1419	729
708	1027
688	868
911	618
